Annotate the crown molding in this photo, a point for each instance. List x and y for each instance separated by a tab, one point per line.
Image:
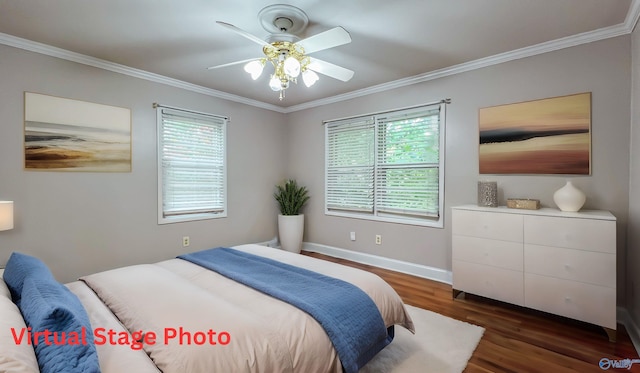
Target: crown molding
632	15
566	42
570	41
64	54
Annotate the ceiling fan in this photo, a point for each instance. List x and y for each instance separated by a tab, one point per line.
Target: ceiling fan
287	53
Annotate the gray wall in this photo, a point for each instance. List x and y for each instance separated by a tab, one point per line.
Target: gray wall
602	68
80	223
85	222
633	246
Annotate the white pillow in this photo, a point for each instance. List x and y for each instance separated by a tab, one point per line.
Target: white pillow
14	357
4	290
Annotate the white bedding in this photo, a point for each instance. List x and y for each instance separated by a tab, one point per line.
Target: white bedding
113	358
253	331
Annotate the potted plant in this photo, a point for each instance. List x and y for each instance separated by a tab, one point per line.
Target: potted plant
291	197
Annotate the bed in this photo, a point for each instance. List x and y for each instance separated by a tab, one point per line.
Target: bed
178	316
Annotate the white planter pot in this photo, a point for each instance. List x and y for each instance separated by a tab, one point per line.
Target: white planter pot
290	230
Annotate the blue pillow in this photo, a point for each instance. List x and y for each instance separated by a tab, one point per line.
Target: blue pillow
47	305
18	268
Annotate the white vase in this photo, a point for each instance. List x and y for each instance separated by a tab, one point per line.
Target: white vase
569	198
290	231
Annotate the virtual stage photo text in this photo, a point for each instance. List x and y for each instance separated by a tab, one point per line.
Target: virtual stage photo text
135	340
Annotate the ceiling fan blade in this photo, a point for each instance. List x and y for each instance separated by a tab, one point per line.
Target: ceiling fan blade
325	40
241	32
231	63
329	69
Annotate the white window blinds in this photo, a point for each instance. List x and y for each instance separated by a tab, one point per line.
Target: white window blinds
192	165
386	166
350	165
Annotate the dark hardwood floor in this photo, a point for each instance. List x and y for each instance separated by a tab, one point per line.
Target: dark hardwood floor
516	339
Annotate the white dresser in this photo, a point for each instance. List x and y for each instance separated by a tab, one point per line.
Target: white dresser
558	262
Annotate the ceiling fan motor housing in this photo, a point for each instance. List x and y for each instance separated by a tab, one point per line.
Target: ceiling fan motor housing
282	18
283	23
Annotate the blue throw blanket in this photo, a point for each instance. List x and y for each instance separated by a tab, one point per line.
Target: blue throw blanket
350	318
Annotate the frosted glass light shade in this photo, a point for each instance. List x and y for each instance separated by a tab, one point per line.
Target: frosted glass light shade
292	67
274	83
254	68
309	78
6	215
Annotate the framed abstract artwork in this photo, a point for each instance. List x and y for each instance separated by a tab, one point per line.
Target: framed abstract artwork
61	134
547	136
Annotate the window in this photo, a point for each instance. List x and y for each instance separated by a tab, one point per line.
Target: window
192	173
387	166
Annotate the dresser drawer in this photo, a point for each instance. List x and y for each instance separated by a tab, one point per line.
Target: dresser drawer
491	282
577	300
584	234
498	226
569	264
502	254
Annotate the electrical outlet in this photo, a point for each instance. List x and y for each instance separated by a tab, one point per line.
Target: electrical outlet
185	241
352	235
378	239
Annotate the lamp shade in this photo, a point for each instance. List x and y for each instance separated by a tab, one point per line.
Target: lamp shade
275	84
309	77
254	68
6	215
292	67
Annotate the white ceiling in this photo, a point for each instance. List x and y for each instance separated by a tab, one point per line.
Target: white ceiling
394	42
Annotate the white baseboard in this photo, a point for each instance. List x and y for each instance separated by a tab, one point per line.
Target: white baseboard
419	270
271	243
632	328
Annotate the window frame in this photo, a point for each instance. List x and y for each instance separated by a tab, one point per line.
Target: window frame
192	216
375	215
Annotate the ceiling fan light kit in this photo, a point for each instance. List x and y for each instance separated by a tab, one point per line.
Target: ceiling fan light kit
288	60
287	53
